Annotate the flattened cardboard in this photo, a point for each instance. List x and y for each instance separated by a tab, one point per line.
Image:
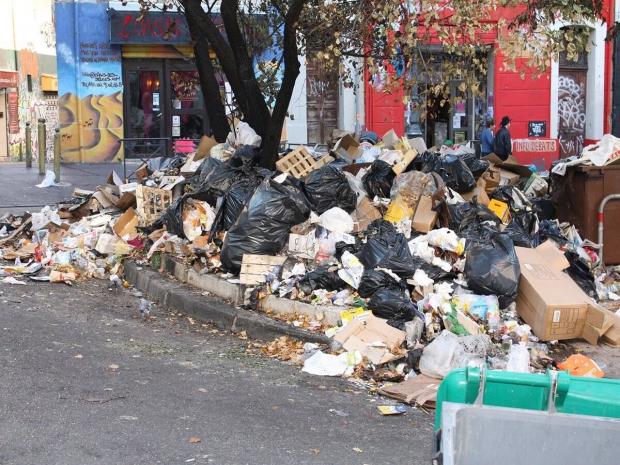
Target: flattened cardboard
204	147
510	164
549	300
373	338
390	139
424	218
612	335
408	157
420	390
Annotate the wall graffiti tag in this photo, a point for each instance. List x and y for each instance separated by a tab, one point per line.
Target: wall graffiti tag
571	111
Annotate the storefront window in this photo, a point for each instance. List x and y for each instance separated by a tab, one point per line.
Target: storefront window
145	104
185	90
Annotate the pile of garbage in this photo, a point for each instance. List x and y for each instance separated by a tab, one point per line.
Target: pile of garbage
435	258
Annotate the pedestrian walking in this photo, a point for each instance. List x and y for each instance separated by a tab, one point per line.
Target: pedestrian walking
486	138
502	146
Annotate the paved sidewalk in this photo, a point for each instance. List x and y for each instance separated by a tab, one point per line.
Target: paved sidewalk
18	191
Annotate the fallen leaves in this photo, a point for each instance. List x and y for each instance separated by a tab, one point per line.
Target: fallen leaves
283	348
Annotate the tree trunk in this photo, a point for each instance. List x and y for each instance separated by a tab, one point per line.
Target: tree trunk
209	84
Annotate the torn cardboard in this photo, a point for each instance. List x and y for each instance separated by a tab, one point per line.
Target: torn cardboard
549	300
373	338
364	214
126	225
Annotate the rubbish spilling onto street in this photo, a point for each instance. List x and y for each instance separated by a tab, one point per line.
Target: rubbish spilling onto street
435	259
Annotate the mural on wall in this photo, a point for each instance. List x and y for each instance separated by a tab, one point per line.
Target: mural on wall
89	84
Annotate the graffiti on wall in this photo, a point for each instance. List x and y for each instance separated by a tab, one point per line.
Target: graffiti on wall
32	105
91	106
571	111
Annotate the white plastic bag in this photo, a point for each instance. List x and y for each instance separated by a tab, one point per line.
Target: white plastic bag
518	359
352	270
48	181
322	364
336	220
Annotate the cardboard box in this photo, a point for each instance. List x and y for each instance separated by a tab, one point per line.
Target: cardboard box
424	218
492	179
549	300
508	178
501	209
373	338
612	335
347	148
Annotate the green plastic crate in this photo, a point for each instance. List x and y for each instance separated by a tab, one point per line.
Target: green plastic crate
573	395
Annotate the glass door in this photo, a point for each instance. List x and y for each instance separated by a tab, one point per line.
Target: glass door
143	102
187	113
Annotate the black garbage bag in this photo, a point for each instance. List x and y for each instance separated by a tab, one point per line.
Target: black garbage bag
171	218
373	280
456	174
341	247
395	306
263	226
475	164
544	208
550	229
388	250
327	187
472	220
378	180
580	273
426	162
233	201
492	268
321	278
212	180
523	230
245	158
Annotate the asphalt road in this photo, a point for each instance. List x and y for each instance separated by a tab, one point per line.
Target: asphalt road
86	381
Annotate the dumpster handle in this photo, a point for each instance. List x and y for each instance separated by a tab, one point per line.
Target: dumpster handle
601	218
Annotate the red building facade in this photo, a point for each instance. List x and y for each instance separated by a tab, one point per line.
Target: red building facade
553	115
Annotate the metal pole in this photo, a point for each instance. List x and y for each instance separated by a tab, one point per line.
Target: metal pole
42	147
57	155
28	146
601	225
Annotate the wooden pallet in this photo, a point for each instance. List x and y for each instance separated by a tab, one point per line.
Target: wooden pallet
255	268
151	203
299	162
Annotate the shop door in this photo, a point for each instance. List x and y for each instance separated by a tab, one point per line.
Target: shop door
144	122
322	102
4	150
184	104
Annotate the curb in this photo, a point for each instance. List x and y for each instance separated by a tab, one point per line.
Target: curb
186	299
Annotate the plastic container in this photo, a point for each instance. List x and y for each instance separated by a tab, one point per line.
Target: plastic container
575	395
576	197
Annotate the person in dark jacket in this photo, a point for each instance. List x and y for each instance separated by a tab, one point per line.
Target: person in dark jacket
486	139
502	146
